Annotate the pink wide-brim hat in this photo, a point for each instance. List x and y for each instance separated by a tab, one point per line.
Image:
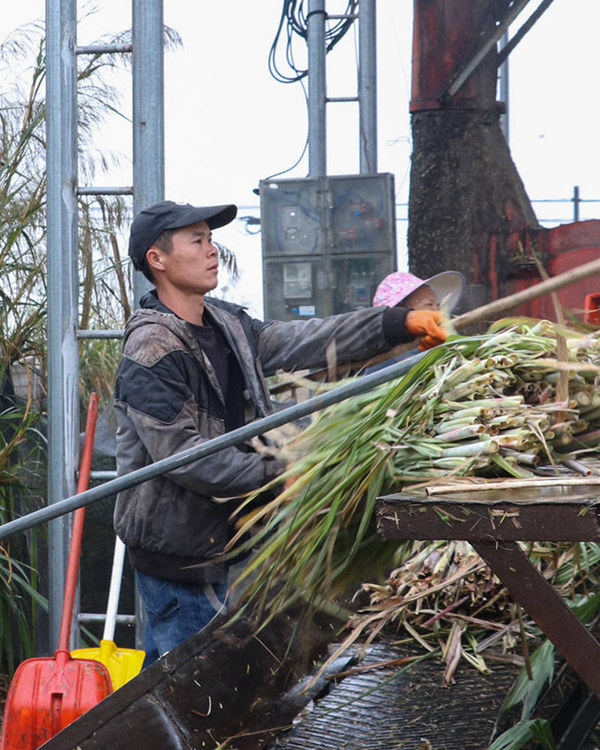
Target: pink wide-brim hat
447	286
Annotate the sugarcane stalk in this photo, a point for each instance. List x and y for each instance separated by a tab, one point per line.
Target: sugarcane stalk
529	459
507	421
577	467
583	398
450	425
591	415
479	484
460	433
474	385
472	449
456	411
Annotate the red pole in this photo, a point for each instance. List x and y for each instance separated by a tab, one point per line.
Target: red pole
77	530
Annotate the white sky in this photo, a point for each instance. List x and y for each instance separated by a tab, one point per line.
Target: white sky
230	124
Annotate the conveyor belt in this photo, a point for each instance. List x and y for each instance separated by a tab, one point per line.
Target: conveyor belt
389	709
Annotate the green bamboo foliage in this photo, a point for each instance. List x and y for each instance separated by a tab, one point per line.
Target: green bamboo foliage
478	406
521	736
23	298
21	446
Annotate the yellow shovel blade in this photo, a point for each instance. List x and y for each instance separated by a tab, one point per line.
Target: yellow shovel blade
122	663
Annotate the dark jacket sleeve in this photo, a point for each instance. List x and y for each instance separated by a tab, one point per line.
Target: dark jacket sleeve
312	343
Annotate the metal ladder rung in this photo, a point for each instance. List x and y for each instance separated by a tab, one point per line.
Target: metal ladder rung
105	191
106	333
103	476
101	49
92	618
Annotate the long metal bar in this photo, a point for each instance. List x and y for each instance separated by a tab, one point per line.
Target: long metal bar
102	476
147	22
108	333
317	89
63	355
460	77
148	113
208	448
527	26
103	49
93	617
127	190
367	86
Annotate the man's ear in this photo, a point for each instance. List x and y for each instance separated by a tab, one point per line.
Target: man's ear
154	259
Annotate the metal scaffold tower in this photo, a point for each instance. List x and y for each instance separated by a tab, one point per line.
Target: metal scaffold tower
63	190
327	239
317	86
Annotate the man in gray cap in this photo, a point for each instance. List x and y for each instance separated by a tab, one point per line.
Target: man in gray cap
194	368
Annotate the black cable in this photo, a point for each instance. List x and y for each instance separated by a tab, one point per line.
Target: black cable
295	164
295	20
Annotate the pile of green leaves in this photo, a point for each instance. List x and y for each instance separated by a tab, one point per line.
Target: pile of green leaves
319	532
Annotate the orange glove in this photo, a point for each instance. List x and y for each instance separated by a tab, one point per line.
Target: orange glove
426	323
250	516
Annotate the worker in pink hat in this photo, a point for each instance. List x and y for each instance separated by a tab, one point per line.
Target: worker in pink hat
440	292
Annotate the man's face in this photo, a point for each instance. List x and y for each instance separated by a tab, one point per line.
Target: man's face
192	264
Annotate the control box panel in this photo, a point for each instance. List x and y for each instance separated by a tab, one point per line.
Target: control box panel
326	243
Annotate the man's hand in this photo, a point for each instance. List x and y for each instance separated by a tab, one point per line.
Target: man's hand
426	323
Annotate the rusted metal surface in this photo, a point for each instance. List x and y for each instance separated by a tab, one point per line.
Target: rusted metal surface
528	587
523	517
492	522
443	34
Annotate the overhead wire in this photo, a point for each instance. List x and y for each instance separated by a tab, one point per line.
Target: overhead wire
294	22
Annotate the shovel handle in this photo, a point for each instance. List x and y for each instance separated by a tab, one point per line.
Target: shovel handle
77	530
114	590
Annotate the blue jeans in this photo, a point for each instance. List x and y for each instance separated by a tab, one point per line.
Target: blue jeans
175	611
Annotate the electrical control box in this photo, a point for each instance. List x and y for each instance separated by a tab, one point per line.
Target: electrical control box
327	242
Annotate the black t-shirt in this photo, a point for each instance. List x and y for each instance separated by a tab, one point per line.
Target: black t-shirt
215	346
